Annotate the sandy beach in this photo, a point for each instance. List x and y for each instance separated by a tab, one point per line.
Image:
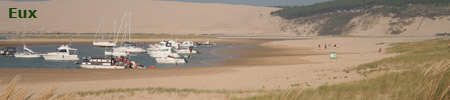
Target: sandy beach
271	64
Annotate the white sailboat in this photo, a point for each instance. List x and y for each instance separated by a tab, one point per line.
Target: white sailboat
27	53
62	53
103	43
127	46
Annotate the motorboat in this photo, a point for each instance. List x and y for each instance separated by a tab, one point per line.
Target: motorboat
100	63
163	52
174	44
107	63
207	43
27	53
155	47
170	60
186	51
8	51
64	52
187	44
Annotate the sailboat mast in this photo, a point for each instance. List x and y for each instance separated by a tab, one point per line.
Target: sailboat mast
125	32
120	27
115	25
129	28
23	31
103	27
98	28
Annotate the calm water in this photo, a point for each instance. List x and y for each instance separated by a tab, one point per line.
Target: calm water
208	57
3	37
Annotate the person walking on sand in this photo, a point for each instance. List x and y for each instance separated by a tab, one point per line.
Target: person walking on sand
319	46
379	50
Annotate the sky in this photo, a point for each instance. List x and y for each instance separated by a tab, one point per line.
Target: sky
245	2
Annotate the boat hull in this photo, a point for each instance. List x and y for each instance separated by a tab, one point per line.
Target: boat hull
104	44
187	52
170	61
130	49
27	56
101	67
60	57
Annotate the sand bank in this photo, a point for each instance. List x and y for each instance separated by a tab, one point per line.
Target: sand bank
271	65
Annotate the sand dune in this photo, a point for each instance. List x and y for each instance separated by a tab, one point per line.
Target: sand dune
149	16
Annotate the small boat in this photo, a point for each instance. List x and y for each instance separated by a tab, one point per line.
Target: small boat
104	44
117	53
187	44
8	51
62	53
129	47
171	60
163	52
207	43
186	51
107	63
155	47
27	53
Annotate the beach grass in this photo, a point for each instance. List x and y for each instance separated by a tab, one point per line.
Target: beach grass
424	75
12	93
153	90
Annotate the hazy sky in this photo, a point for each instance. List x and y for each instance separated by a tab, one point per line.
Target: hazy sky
245	2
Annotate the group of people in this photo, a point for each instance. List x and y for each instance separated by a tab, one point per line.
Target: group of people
124	61
329	45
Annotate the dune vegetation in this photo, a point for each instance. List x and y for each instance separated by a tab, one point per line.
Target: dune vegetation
421	72
334	16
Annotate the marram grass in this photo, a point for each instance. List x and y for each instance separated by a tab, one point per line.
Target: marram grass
424	75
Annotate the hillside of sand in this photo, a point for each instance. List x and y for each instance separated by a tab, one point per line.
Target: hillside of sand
148	16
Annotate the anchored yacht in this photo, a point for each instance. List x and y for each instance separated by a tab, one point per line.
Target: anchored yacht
64	52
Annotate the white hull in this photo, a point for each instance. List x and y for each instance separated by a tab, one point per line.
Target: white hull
60	57
21	55
101	66
164	55
187	51
170	60
104	44
117	54
129	49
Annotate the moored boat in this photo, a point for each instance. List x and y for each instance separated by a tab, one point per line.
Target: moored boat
27	53
171	60
207	43
109	63
62	53
8	51
186	51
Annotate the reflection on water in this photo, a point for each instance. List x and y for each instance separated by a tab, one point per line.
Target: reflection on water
207	57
